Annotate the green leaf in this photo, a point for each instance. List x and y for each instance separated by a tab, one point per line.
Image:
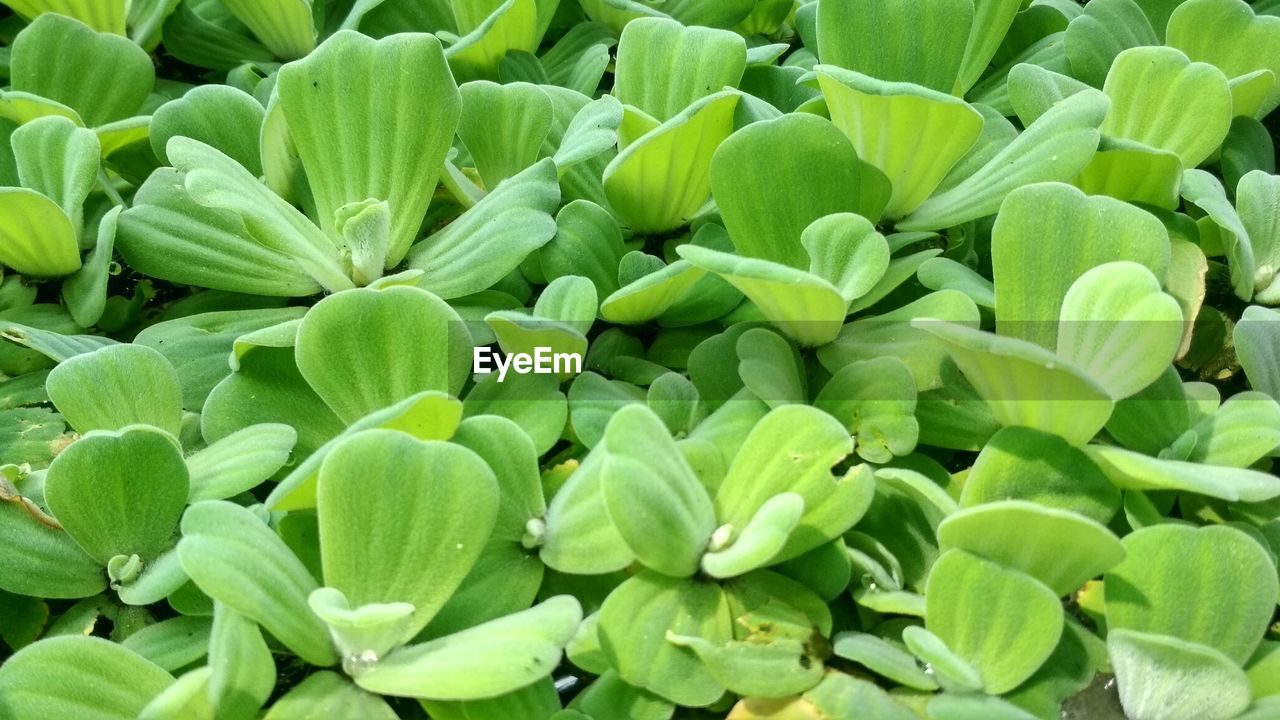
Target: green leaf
793	449
1119	327
1033	90
805	307
534	402
1060	548
484	661
635	621
98	680
1258	205
503	127
610	694
1131	171
587	243
575	540
284	26
1161	98
952	671
538	701
654	500
882	39
173	643
103	77
36	236
85	291
1024	384
59	160
893	125
772	179
166	234
1197	26
1167	678
652	294
1046	237
1103	31
41	560
759	541
883	658
1024	464
217	115
876	401
512	26
1206	192
327	694
237	560
1134	471
991	23
216	181
1004	622
662	66
845	249
117	386
107	17
1244	430
431	530
660	181
1212	585
367	128
240	461
1055	148
1257	341
356	349
771	368
491	239
119	493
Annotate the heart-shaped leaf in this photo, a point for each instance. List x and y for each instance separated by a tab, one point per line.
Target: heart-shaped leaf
660	181
793	449
1060	548
1005	622
636	620
99	680
398	132
575	540
356	348
880	39
1024	384
1255	45
1164	677
36	237
119	493
1119	327
116	386
1046	237
893	124
1161	98
663	67
807	308
1213	585
503	127
1133	172
103	77
217	115
768	197
1024	464
433	502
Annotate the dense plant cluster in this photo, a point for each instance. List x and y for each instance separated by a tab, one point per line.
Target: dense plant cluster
927	360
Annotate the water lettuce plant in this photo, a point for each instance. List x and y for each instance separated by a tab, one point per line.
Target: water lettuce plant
639	359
